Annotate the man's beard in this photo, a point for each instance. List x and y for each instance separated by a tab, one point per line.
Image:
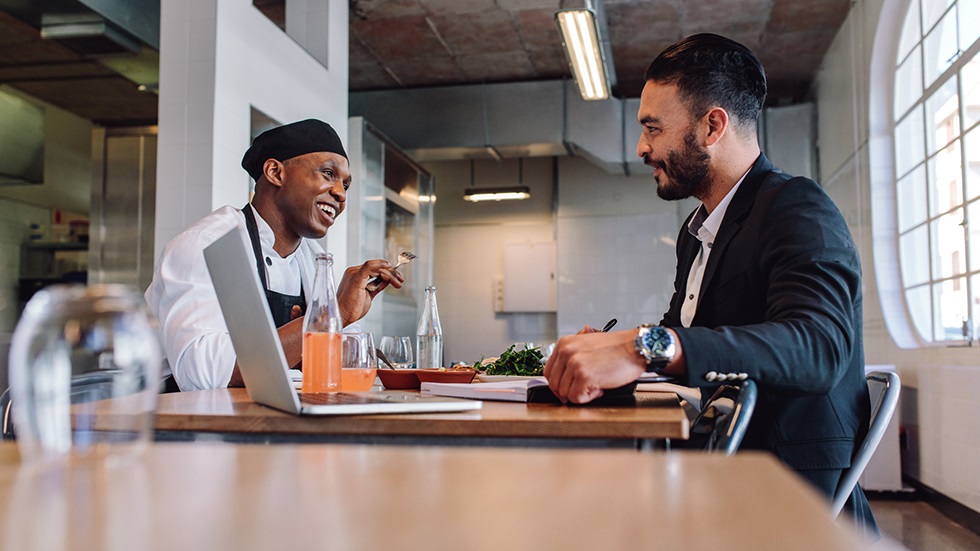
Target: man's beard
686	172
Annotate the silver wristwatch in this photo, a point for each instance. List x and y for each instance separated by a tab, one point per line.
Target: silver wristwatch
656	345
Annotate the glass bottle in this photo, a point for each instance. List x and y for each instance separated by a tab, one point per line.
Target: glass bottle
322	328
429	335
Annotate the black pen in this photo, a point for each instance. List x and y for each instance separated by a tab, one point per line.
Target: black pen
609	325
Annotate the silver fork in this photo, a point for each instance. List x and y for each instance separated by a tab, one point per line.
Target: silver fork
403	258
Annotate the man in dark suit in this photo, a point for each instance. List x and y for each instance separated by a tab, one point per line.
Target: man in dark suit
768	281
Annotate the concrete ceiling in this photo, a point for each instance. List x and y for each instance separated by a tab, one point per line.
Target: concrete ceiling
414	43
410	43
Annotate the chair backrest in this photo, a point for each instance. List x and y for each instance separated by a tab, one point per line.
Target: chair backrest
725	433
6	422
883	388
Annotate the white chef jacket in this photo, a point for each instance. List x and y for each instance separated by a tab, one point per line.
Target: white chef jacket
182	298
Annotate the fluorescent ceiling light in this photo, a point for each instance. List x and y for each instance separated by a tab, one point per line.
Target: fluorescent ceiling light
580	37
497	193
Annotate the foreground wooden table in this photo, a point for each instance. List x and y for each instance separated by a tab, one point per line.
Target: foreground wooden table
327	496
230	412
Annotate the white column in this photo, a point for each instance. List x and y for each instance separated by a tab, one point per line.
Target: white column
219	58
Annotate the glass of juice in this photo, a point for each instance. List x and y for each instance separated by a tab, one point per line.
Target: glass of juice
359	362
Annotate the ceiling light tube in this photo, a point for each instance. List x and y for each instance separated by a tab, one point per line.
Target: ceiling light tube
580	38
476	195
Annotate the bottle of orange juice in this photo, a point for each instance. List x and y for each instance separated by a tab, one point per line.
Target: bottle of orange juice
322	329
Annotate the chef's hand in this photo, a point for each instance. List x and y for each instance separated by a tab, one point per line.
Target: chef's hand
582	366
352	294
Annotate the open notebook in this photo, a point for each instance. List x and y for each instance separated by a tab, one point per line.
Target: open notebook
520	389
260	356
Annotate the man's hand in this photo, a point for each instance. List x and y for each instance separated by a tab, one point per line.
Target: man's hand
583	365
352	294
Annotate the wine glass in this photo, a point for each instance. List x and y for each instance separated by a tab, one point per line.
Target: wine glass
398	350
75	349
359	362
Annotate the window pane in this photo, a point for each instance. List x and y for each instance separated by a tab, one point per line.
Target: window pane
948	245
908	83
973	227
914	256
909	142
910	32
943	116
932	10
912	199
972	144
940	47
949	299
969	16
945	180
920	308
970	74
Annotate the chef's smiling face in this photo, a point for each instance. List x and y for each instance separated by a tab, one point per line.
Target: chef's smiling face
314	188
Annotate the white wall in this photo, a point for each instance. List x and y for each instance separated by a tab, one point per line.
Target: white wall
218	58
468	254
615	241
939	401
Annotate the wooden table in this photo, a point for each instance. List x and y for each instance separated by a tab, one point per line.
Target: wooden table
325	496
231	415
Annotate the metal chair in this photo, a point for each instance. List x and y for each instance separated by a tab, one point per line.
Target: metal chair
724	430
883	387
6	422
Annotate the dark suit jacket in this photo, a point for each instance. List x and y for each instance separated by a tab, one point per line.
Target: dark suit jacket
781	301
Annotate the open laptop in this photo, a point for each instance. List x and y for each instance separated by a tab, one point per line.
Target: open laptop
260	355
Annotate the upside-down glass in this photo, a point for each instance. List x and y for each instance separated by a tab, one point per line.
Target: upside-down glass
359	362
398	350
73	348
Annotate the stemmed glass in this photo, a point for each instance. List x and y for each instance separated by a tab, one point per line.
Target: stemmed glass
359	362
398	350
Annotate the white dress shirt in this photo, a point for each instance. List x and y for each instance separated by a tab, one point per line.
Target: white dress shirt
704	226
182	298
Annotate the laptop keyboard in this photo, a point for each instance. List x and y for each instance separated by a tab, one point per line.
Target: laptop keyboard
337	398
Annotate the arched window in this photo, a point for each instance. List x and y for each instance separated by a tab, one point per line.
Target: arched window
936	108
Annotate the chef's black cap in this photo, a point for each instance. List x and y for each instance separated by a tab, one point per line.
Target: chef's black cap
291	140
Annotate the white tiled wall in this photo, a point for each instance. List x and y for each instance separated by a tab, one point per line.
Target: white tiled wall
614	267
615	251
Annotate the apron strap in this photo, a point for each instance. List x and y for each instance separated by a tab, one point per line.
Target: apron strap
253	236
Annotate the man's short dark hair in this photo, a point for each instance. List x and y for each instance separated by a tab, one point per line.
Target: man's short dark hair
713	70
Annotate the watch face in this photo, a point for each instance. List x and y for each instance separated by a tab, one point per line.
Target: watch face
659	342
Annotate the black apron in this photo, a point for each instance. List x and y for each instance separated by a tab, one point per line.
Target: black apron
280	305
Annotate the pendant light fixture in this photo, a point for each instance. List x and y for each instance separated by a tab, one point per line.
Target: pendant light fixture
497	193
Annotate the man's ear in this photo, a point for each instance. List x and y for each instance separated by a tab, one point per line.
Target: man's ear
716	120
272	169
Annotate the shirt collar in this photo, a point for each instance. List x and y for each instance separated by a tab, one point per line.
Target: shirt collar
267	238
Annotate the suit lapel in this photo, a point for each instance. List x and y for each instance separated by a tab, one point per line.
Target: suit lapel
738	208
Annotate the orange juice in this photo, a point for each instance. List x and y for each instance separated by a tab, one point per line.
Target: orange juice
321	362
356	380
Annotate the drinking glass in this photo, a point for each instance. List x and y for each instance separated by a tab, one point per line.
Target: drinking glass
398	350
74	349
359	362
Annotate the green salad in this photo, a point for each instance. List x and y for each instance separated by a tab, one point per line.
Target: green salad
525	362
